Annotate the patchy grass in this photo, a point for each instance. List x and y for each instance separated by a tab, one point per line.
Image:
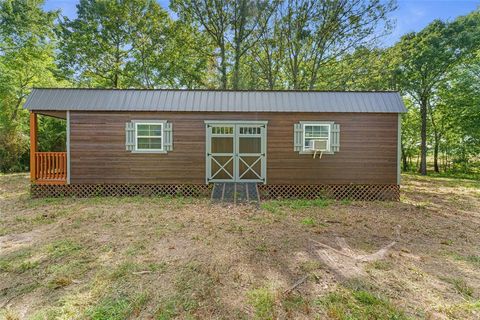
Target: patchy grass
472	259
460	286
18	262
263	302
276	206
117	308
184	258
463	310
63	248
345	304
9	314
310	222
384	265
456	180
194	286
295	303
310	266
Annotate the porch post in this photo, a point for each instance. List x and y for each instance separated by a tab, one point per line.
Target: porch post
33	144
68	147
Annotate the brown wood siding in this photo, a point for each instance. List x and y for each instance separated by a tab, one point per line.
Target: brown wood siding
368	149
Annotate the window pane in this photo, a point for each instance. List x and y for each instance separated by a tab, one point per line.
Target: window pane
142	130
222	130
250	130
149	143
156	130
149	130
307	143
316	131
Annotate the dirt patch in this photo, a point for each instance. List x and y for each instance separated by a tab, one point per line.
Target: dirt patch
346	262
13	242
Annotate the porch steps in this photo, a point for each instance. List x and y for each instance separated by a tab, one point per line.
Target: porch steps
235	192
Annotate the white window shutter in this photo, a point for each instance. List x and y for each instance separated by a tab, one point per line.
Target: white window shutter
130	136
168	137
335	143
297	137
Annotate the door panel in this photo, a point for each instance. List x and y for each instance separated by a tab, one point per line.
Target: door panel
222	167
249	168
250	154
250	145
236	152
222	145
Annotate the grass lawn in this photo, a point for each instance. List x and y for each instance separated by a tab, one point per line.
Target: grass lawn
181	258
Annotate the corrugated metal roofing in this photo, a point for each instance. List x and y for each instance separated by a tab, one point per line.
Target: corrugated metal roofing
213	100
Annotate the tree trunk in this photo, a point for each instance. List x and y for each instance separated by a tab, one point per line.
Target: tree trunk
295	78
115	80
404	159
423	134
117	66
236	72
444	165
436	142
223	67
239	39
435	155
17	107
271	82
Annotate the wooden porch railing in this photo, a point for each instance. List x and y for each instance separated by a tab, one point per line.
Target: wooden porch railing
50	167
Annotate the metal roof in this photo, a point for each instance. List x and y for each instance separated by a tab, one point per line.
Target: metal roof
213	100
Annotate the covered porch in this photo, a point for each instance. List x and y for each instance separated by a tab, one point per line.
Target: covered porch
47	167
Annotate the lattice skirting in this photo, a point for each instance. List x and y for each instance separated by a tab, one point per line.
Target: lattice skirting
338	192
121	190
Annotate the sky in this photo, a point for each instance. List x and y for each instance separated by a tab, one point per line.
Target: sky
411	15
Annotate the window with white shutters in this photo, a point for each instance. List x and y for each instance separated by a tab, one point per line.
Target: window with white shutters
150	136
305	133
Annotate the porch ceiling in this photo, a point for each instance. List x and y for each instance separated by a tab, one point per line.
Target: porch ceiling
55	114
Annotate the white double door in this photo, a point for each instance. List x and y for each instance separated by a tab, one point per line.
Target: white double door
236	151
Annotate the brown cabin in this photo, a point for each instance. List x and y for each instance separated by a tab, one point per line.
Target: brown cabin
289	143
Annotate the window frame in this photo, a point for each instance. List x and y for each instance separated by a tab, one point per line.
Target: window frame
328	124
149	122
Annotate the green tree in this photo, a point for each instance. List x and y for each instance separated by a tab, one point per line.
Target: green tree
410	137
458	112
234	27
427	57
317	32
185	59
119	44
26	60
364	69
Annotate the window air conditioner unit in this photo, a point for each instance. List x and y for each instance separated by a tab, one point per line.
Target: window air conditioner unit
318	146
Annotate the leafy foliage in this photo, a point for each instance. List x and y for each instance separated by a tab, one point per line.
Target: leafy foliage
426	59
128	43
27	60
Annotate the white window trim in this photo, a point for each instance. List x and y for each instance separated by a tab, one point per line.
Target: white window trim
150	122
328	124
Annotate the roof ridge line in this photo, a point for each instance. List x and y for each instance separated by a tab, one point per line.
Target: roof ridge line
218	90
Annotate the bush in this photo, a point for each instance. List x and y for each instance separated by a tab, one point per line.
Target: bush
14	149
